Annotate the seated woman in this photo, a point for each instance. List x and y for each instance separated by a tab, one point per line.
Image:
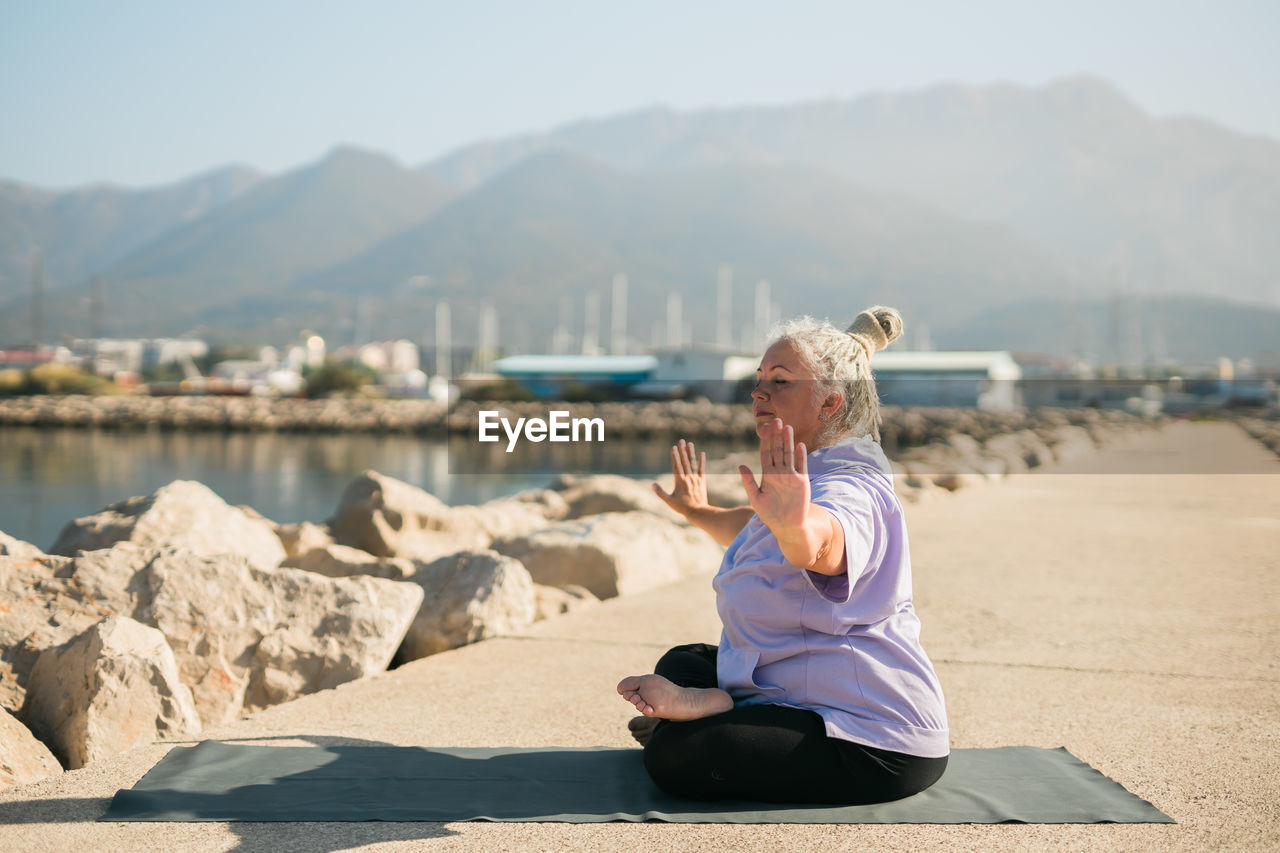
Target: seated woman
819	690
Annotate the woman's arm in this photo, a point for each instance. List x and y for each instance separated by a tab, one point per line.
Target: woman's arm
689	497
721	524
808	535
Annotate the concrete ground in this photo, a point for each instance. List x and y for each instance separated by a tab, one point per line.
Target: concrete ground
1131	617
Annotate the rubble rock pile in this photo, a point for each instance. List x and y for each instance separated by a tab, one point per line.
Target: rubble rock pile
902	428
1265	430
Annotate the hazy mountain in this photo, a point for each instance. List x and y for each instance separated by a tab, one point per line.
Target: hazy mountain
1172	205
282	228
82	231
985	213
557	225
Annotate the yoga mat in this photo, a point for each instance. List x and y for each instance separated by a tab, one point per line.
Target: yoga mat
215	781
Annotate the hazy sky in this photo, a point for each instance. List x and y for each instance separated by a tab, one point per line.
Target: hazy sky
141	93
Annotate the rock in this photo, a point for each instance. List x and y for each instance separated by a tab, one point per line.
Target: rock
1070	442
724	483
41	608
340	561
245	638
326	632
391	518
955	480
555	600
253	514
510	516
468	597
915	494
184	514
10	547
303	536
375	513
613	553
114	687
1008	448
24	759
1034	451
965	445
597	493
992	467
931	462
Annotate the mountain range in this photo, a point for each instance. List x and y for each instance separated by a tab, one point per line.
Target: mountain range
957	204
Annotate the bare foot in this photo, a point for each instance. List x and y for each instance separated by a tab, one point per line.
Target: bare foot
655	696
641	728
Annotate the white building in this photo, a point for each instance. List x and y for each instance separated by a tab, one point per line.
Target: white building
710	372
396	356
984	380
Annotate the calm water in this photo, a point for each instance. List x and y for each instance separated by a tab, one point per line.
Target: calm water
50	476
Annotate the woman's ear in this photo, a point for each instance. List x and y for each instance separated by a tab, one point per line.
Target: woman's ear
832	404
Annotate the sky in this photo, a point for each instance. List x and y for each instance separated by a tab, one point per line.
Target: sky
143	93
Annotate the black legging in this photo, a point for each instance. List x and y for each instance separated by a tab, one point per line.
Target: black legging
770	753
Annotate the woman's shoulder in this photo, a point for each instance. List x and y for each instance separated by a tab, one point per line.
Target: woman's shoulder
853	456
855	470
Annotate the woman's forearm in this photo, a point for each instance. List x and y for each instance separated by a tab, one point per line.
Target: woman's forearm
720	523
816	544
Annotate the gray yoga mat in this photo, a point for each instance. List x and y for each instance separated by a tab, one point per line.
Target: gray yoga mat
224	782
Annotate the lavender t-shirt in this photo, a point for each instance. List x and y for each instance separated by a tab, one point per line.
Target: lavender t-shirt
847	647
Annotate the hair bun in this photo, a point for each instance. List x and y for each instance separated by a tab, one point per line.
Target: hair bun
876	328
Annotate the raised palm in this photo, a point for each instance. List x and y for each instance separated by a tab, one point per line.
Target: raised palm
781	498
688	467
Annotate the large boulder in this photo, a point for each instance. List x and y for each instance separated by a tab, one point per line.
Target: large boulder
41	607
1019	450
468	596
1069	442
11	547
340	561
592	494
184	514
301	537
325	632
114	687
376	512
390	518
245	638
24	759
964	444
558	600
613	553
509	516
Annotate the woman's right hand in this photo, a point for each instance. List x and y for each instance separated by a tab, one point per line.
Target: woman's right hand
689	470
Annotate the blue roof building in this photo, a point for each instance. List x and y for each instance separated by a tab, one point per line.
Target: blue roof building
547	376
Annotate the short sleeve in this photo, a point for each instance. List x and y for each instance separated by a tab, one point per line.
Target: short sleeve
859	516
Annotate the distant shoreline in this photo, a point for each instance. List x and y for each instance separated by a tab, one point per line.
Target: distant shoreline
902	427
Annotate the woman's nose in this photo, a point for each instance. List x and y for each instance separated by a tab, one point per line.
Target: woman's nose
757	393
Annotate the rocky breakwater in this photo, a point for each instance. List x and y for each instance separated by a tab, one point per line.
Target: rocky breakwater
903	428
162	615
623	419
935	450
226	413
938	450
1265	427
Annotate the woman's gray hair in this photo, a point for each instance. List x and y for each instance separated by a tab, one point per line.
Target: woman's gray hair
841	363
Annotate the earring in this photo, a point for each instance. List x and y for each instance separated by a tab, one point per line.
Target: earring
822	416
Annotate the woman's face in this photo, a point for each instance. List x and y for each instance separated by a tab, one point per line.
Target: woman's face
786	389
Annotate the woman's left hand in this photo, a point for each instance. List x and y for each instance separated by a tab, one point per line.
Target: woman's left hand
781	499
